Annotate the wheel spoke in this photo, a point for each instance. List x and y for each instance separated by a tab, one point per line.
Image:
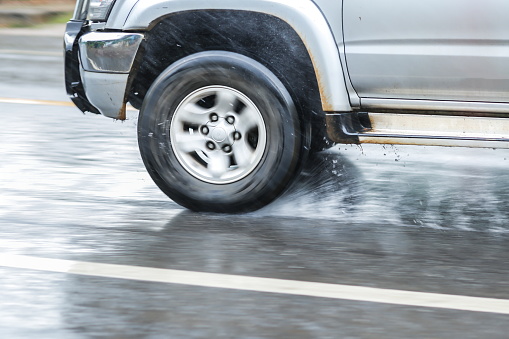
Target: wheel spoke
219	163
194	114
225	102
248	119
242	152
187	142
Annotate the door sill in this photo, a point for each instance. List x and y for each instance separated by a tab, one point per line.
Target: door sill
419	129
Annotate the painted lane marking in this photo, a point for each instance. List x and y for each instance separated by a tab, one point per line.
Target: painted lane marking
35	102
267	285
36	53
45	103
24	57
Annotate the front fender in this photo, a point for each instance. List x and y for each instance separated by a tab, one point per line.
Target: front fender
302	15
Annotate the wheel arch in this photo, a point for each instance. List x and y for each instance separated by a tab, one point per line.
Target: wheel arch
302	18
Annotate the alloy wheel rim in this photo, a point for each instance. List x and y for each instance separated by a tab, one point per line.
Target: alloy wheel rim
218	134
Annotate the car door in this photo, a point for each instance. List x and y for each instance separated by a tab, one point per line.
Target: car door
433	50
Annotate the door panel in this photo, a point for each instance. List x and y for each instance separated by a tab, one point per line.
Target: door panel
433	49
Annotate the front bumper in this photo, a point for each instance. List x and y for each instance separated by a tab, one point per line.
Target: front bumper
73	83
97	68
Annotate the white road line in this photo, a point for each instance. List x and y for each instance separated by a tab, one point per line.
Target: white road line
267	285
45	102
26	52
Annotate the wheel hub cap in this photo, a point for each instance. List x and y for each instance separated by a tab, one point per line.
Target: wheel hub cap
220	133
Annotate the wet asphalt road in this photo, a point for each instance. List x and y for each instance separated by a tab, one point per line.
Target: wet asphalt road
73	187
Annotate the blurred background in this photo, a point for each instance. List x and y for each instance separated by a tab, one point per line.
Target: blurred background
22	13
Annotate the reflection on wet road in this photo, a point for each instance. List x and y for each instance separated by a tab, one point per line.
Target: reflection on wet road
73	187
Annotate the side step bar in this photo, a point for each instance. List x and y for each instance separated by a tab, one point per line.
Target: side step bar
418	129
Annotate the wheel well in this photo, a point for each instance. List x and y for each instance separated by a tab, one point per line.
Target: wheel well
262	37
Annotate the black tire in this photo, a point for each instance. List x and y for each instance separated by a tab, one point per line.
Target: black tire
171	166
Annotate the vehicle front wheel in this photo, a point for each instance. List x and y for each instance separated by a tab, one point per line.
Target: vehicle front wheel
219	132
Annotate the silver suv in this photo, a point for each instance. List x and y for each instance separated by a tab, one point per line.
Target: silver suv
234	95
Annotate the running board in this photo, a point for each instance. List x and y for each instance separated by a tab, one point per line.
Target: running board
419	129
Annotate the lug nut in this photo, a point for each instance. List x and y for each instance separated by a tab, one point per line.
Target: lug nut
214	117
205	130
227	148
237	136
211	146
230	120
